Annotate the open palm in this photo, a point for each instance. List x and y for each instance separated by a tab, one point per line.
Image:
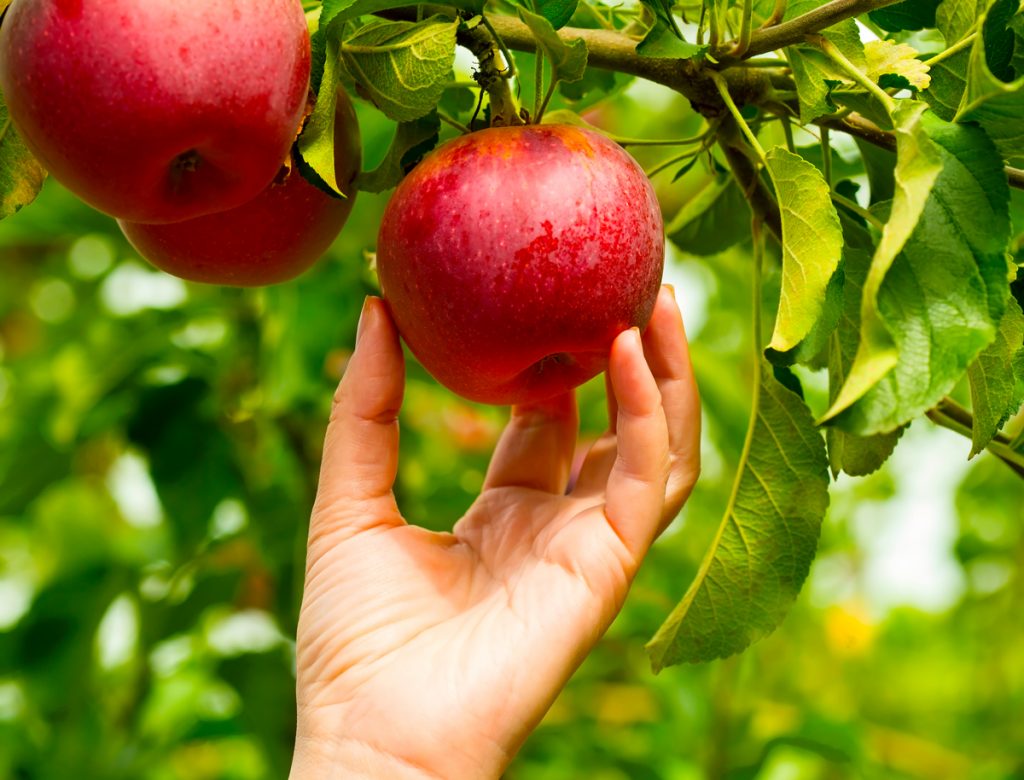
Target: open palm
427	654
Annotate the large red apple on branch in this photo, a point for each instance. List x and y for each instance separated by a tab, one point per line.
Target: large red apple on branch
157	110
272	238
513	256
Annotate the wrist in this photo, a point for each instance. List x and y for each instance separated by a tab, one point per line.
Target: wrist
349	759
331	751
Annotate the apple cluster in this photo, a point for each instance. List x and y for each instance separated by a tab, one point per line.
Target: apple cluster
510	257
178	118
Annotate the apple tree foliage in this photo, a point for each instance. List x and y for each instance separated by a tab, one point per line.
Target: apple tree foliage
900	297
868	151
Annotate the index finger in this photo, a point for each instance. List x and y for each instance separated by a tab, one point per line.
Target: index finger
360	459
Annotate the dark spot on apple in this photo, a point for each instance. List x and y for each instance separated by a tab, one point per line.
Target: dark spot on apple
551	361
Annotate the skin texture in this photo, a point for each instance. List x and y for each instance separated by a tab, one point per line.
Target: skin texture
157	110
512	257
433	655
270	239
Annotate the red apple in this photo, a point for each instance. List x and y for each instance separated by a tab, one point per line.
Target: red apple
157	110
270	239
512	257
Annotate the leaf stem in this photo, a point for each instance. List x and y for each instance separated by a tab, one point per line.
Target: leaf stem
746	25
826	157
778	13
723	89
857	209
855	73
538	84
510	64
956	48
1010	457
453	122
547	98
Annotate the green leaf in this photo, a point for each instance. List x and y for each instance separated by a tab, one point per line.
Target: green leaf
558	12
908	15
815	77
336	11
858	456
997	379
662	41
21	175
991	96
716	218
411	142
946	292
316	144
918	163
402	66
568	58
812	244
763	550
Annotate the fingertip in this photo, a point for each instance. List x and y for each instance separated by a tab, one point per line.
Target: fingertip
635	388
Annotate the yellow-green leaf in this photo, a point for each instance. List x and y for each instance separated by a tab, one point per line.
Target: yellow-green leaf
21	175
900	59
812	244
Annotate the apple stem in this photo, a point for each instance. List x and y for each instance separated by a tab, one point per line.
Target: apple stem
490	76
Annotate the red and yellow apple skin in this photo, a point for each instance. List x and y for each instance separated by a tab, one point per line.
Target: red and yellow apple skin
270	239
157	110
512	257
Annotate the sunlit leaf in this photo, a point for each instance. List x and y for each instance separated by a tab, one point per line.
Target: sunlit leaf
316	144
889	58
812	244
21	175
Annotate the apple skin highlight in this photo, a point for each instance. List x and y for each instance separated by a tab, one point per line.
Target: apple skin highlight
157	110
512	257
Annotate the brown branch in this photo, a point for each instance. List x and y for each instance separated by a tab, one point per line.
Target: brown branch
786	34
950	415
746	173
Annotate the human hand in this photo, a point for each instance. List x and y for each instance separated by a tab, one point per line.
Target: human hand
429	655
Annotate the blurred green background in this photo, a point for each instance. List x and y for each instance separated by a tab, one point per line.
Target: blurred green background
158	452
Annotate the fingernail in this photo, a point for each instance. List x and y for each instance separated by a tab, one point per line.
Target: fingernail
671	290
364	316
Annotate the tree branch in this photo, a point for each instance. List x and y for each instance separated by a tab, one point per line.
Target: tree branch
950	415
861	127
616	51
786	34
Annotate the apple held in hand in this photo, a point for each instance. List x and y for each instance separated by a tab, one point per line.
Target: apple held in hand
157	110
270	239
512	257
